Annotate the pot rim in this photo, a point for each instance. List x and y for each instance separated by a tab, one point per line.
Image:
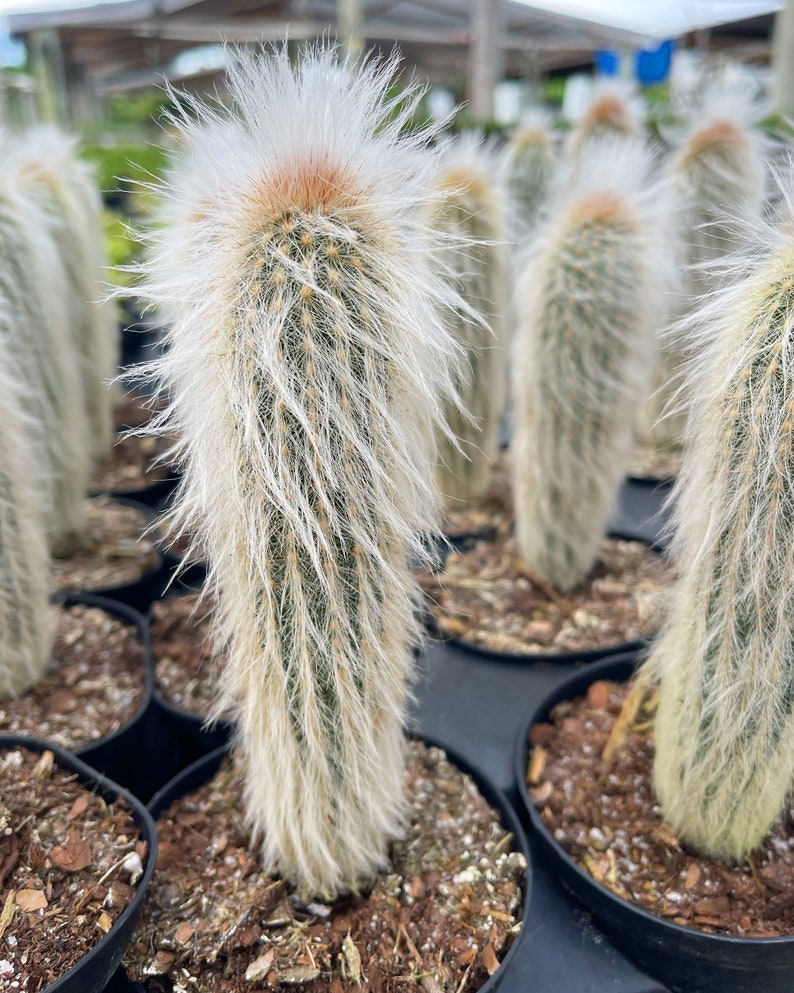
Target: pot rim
588	656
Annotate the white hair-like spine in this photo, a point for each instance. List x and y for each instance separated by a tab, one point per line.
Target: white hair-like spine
305	370
725	659
582	350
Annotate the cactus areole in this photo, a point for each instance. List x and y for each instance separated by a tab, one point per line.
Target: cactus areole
305	362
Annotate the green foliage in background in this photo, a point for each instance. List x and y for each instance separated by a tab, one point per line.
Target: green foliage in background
123	167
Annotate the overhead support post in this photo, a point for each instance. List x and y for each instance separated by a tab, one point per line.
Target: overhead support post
46	57
485	57
349	27
783	61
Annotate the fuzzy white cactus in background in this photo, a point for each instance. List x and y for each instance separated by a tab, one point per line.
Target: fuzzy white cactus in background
529	166
467	206
582	352
24	564
614	113
33	282
49	158
304	369
725	660
717	176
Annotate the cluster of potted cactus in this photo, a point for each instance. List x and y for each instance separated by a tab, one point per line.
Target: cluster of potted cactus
75	672
340	330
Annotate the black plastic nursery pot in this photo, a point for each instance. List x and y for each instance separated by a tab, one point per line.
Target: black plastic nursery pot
686	960
119	755
504	978
191	734
183	735
179	572
642	510
464	542
93	971
140	593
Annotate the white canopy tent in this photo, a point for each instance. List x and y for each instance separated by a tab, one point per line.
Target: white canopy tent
118	45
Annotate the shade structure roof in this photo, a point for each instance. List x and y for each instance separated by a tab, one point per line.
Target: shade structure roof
136	41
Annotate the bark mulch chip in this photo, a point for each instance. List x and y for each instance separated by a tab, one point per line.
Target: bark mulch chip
605	816
441	919
69	865
96	682
114	550
185	662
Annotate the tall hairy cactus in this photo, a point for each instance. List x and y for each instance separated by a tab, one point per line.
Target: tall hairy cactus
725	661
33	283
529	167
303	368
581	353
68	185
716	177
615	113
467	205
24	607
